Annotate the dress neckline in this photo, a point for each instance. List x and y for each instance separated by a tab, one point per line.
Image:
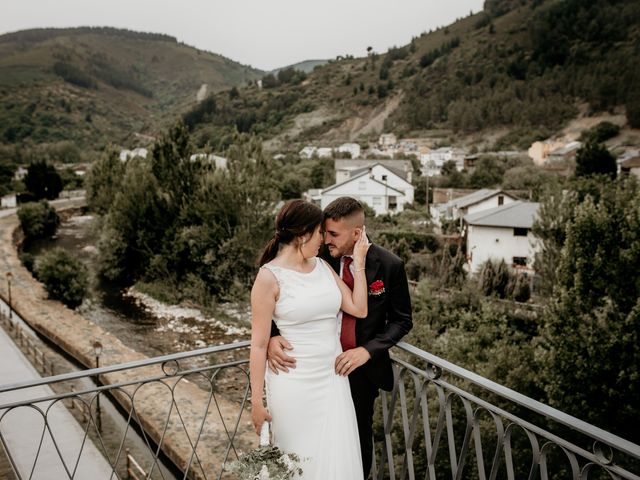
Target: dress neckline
296	271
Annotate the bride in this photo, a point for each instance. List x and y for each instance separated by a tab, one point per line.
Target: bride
311	406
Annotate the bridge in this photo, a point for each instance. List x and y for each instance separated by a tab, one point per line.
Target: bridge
190	410
439	421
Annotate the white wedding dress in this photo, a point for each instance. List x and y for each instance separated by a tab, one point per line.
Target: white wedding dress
311	406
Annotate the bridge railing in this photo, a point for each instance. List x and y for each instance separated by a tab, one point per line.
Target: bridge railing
439	421
188	409
443	421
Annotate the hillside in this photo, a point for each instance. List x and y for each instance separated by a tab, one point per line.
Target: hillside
517	72
93	86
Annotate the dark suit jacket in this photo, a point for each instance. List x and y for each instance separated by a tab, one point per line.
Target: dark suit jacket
389	317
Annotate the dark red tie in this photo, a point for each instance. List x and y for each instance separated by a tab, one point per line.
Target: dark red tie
348	332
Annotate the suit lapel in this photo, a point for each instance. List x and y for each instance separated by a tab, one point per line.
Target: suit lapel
373	265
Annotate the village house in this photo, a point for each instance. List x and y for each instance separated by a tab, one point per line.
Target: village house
477	201
9	201
352	149
219	162
307	152
384	189
136	152
564	153
345	166
79	169
433	160
324	152
20	173
313	195
407	146
538	151
502	233
387	140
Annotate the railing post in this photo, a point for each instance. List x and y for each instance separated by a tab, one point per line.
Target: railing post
128	463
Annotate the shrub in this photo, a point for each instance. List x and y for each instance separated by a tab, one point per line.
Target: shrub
64	277
416	241
594	159
520	288
43	181
496	279
28	260
38	220
600	133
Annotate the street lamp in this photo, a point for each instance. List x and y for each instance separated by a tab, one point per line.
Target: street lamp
9	278
430	164
97	349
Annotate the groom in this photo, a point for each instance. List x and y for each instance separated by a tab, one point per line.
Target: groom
365	342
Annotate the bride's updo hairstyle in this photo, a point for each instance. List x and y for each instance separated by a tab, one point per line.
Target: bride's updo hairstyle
295	219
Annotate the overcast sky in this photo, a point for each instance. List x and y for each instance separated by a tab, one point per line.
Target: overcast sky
263	33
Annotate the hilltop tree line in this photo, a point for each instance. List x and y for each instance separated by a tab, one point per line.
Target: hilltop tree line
43	34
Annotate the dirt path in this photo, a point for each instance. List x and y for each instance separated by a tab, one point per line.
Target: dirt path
374	122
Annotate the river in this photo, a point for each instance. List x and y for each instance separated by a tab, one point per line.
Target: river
140	322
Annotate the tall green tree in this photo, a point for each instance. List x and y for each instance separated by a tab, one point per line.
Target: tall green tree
6	176
488	173
133	228
591	328
187	225
103	181
593	159
42	181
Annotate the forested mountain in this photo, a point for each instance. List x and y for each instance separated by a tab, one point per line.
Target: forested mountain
93	86
522	66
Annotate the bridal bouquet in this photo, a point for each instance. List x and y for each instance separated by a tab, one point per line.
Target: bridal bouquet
266	462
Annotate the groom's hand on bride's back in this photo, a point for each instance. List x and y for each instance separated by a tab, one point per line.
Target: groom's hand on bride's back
277	358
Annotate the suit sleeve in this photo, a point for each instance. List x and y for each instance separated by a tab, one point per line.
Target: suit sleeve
274	330
399	318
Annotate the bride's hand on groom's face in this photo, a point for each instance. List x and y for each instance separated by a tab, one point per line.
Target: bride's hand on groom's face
361	247
277	359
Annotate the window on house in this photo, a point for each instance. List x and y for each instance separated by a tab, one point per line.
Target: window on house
384	178
362	185
500	200
377	200
520	232
520	261
393	202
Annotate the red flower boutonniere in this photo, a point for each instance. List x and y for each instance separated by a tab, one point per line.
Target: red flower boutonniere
376	288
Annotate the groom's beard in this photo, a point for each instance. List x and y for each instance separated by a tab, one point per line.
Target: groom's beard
336	252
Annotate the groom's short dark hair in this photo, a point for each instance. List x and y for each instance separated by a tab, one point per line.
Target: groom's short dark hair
343	207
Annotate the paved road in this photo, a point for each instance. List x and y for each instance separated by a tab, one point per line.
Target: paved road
60	203
23	428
